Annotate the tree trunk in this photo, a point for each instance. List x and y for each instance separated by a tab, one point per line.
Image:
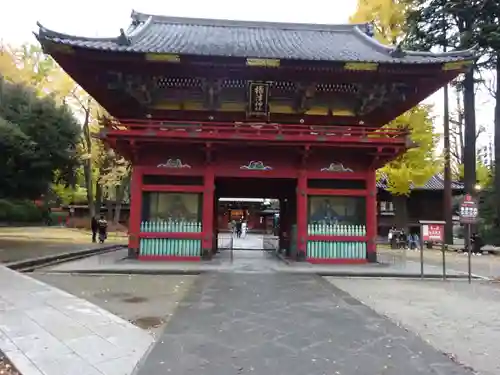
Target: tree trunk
87	165
98	197
497	140
469	132
447	214
401	211
109	210
461	135
120	194
87	173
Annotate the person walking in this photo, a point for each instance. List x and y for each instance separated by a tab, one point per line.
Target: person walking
238	228
243	229
102	227
94	226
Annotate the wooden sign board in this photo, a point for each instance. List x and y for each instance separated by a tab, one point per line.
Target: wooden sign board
258	99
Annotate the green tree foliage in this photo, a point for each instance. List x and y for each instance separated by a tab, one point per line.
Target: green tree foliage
418	164
40	137
489	219
100	173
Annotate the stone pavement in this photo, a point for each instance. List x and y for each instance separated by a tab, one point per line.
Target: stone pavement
252	260
243	261
249	241
285	324
454	317
45	331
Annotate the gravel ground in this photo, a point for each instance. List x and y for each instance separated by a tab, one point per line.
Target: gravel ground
144	300
31	242
459	319
485	265
6	367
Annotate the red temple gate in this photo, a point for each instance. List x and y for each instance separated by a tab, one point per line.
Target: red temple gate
300	120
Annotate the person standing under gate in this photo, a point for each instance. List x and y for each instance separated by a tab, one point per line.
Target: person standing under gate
238	228
243	229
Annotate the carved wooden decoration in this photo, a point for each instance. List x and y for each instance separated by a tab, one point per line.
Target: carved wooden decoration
336	167
173	163
256	166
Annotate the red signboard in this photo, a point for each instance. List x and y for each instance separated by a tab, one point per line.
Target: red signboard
432	233
468	210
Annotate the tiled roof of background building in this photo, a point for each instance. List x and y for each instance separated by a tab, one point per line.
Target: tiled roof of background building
436	182
206	37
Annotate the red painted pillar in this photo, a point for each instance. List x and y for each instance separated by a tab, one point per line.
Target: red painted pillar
302	215
215	224
134	223
371	216
208	211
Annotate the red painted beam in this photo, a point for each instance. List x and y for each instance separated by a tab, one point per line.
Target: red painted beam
316	237
179	235
339	192
155	171
229	137
337	176
174	188
255	174
357	144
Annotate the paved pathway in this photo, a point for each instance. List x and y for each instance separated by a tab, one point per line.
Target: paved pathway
285	324
455	317
249	242
45	331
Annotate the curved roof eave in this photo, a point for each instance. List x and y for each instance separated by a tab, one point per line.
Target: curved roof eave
45	33
132	33
466	54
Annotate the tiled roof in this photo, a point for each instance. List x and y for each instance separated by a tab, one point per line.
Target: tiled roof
436	182
206	37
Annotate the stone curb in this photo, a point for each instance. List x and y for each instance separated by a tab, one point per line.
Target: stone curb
34	262
337	273
117	271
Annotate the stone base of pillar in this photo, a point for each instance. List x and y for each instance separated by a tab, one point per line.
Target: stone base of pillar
133	253
371	257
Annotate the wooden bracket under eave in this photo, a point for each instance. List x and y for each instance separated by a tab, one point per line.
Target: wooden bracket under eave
208	152
55	48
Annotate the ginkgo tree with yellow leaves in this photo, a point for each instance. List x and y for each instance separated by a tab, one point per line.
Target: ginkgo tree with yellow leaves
418	164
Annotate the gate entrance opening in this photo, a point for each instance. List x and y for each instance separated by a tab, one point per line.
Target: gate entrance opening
265	223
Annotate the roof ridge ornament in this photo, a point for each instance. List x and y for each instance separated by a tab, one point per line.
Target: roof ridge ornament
123	39
398	51
370	29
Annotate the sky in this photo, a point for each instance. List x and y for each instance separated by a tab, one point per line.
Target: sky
103	18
